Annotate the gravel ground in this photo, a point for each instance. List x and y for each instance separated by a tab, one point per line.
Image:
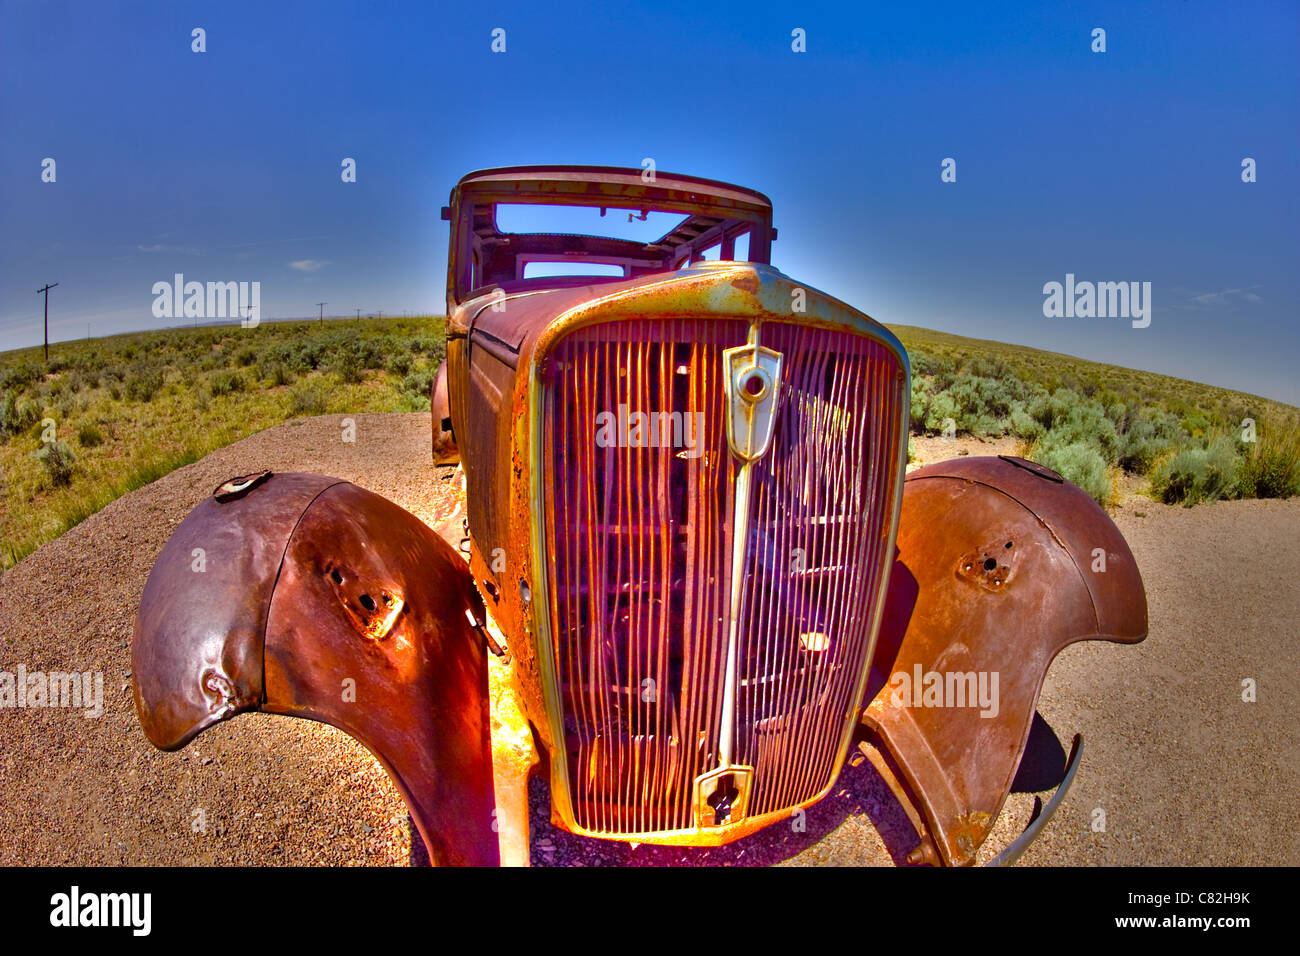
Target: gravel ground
1184	770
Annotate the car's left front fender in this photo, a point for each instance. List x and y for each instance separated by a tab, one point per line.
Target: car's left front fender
308	596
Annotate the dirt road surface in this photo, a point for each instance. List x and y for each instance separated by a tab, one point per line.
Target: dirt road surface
1179	767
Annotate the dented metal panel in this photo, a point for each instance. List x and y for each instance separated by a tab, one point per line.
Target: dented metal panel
297	611
990	583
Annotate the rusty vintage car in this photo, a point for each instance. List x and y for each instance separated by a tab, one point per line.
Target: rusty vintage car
700	578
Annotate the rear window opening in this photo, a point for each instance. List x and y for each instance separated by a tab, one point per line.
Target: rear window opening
634	224
537	270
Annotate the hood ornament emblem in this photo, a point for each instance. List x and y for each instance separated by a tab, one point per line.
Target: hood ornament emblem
752	384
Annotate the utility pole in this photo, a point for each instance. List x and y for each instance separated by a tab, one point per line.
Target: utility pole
322	311
46	290
358	315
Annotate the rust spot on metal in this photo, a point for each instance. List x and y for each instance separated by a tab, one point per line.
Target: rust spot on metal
992	566
970	829
746	282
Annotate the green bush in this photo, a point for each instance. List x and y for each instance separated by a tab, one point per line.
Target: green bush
143	382
309	397
986	402
348	366
1067	419
1196	424
1199	473
276	372
1087	422
415	389
58	460
1271	469
89	435
1148	438
16	416
111	374
375	354
1023	424
20	376
1080	463
312	352
400	363
984	398
920	402
1049	408
943	406
935	367
226	382
79	379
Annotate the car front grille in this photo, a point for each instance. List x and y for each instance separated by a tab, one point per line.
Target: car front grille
639	520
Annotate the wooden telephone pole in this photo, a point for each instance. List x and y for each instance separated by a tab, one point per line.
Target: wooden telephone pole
46	290
322	311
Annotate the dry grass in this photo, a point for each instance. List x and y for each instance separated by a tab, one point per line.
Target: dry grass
133	407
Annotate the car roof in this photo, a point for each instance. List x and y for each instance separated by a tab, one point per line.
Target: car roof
589	185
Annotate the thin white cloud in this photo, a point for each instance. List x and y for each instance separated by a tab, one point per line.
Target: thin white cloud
1227	296
306	265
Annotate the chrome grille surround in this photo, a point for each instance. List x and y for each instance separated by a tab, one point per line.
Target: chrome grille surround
634	546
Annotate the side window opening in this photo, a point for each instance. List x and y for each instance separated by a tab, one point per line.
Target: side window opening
741	249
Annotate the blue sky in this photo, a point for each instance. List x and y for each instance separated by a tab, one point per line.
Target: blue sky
1115	166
